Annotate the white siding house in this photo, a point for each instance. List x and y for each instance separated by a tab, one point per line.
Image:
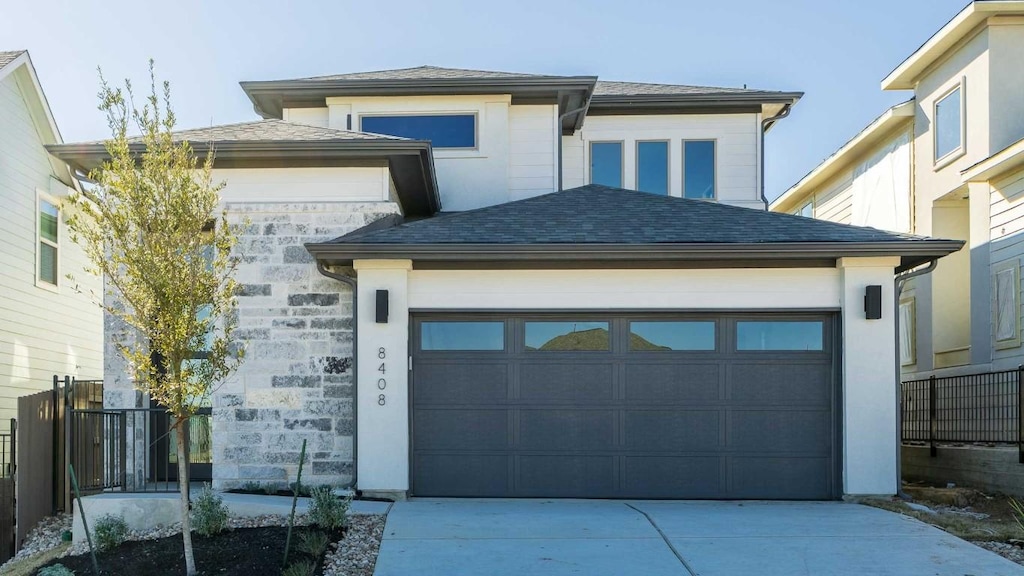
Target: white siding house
48	324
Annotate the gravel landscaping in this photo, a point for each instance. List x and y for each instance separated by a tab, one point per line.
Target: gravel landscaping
354	555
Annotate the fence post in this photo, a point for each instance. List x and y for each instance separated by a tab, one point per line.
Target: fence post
932	411
69	502
1020	414
123	460
55	442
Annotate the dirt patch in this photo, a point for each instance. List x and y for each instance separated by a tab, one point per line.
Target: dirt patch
240	552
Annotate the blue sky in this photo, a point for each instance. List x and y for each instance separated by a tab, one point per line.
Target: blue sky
835	51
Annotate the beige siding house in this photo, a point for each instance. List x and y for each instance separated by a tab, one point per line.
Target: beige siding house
947	163
48	323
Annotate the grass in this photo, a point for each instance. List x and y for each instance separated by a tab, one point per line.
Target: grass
28	566
966	527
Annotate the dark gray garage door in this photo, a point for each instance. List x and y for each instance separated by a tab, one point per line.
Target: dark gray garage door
612	406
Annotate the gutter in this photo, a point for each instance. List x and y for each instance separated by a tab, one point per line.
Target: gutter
765	125
559	135
350	281
899	282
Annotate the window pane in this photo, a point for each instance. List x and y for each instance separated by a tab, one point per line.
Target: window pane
443	130
567	336
47	263
947	124
807	211
779	335
649	336
462	336
47	221
699	169
606	163
652	167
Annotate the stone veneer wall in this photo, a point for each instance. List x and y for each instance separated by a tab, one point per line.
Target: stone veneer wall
296	326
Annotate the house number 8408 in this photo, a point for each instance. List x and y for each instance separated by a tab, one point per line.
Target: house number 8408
381	382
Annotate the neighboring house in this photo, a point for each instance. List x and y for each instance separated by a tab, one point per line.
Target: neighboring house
48	323
529	341
946	163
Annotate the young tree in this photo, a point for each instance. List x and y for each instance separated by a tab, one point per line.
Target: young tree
153	227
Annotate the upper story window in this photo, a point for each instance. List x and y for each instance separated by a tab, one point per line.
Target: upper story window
49	222
606	163
949	123
699	169
807	210
442	130
652	167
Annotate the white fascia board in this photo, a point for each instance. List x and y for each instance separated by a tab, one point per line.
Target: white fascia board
1007	159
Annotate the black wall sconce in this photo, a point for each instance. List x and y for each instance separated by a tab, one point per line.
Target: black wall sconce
873	302
382	306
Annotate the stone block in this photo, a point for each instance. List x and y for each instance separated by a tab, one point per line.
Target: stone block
295	381
315	299
322	424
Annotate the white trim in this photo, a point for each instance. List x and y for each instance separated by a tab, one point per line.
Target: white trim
1009	158
40	283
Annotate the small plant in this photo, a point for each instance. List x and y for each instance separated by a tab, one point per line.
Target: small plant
302	490
270	489
56	570
111	531
1018	513
327	511
300	568
209	514
251	487
314	543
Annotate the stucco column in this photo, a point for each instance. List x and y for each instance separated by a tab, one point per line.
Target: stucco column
382	420
981	290
870	447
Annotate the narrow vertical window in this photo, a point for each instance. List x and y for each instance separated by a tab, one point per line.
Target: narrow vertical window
49	222
949	134
606	163
807	210
1007	309
652	167
699	169
908	334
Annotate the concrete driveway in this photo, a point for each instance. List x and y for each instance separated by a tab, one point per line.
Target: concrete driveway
601	537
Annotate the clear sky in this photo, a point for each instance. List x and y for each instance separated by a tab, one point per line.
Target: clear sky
836	51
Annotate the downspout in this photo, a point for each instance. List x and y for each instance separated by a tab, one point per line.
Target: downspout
351	282
900	282
765	124
561	117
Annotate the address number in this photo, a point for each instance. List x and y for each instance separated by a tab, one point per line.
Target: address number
382	383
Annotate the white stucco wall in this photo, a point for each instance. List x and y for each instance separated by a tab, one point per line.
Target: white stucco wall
869	418
345	184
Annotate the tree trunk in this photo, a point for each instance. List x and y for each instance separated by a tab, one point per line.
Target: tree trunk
186	526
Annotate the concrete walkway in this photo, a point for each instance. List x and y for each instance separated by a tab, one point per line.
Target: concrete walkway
598	538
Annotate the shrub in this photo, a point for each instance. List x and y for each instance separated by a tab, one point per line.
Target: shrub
111	531
314	543
327	511
56	570
303	490
250	487
209	514
300	568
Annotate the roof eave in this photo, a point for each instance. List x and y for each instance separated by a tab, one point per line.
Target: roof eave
906	75
683	101
912	252
1002	162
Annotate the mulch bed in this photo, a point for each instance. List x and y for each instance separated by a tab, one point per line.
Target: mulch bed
239	552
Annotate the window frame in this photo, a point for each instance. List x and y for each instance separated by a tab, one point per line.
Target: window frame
714	166
505	346
42	196
826	344
595	319
1012	267
474	113
622	160
716	334
809	204
668	163
944	160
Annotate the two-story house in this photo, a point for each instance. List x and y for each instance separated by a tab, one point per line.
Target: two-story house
49	324
470	283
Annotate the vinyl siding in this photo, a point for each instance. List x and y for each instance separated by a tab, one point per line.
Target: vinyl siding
42	332
835	203
532	152
1006	246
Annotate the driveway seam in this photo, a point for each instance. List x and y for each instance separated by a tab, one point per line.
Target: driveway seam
667	541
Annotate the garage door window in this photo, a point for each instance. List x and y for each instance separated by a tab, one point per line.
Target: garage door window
783	335
567	336
665	336
478	336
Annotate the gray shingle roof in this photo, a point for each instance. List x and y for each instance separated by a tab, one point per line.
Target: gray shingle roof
596	214
424	73
8	57
266	131
610	88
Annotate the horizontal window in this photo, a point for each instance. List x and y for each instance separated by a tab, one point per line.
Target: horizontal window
652	167
442	130
473	336
567	336
606	163
782	335
656	336
699	169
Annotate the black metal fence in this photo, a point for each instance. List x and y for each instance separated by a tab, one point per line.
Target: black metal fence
8	451
981	409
